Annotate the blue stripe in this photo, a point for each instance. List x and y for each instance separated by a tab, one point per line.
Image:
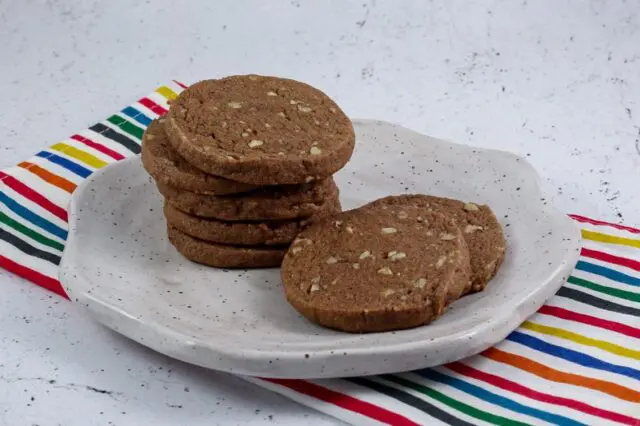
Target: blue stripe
496	399
607	273
571	355
136	115
67	164
27	214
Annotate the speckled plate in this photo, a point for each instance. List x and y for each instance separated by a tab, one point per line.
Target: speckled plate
119	265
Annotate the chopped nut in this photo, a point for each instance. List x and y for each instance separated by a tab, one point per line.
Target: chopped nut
314	288
296	250
470	229
245	134
334	282
420	219
253	77
308	178
389	230
293	102
429	233
267	125
331	260
396	255
304	109
224	124
365	254
333	110
161	120
471	207
491	265
272	94
355	265
447	237
402	215
441	261
255	143
315	150
316	122
307	241
337	223
149	136
420	283
385	271
349	229
282	114
281	153
234	105
315	280
388	292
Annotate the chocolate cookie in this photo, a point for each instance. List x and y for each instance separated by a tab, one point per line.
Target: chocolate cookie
164	164
260	130
375	269
269	203
222	256
479	226
244	233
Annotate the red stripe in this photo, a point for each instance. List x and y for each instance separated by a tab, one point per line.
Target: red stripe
606	257
539	396
344	401
153	106
98	147
184	86
600	222
33	276
590	320
32	195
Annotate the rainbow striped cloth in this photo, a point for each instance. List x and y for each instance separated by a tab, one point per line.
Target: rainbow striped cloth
575	362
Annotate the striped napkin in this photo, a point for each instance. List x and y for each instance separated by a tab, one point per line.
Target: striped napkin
575	362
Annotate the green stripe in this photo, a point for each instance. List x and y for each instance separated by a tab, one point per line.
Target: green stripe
30	233
622	294
126	125
455	404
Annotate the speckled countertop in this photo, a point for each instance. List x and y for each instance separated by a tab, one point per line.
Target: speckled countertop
556	81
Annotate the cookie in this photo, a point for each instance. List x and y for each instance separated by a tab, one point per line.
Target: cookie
269	203
244	233
260	130
224	256
164	164
479	225
375	269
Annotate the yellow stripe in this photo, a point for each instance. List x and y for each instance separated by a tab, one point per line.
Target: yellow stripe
166	92
610	239
78	154
583	340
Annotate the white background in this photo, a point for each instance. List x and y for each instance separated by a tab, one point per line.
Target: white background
556	81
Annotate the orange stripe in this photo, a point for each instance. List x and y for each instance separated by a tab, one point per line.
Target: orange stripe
47	176
554	375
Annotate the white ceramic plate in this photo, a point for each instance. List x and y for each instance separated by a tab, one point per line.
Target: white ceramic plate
119	265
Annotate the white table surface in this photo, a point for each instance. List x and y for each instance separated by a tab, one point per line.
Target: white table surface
557	81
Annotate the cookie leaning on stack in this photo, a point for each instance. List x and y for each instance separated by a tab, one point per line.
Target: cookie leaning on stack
244	164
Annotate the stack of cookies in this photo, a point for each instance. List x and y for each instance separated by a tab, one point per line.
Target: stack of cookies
245	163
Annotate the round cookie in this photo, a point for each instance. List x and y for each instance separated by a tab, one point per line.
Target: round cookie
374	269
244	233
222	256
164	164
479	226
260	130
273	203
